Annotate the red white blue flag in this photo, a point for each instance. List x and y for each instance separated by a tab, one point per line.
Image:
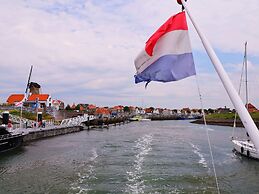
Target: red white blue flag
168	54
19	104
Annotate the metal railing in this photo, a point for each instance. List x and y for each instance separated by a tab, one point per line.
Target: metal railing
77	120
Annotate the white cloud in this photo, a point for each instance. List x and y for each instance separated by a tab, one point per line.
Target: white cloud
84	51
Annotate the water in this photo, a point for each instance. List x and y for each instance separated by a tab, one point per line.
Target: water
141	157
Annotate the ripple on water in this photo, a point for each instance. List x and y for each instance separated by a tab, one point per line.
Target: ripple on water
86	175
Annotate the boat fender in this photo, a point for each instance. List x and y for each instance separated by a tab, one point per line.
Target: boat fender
242	150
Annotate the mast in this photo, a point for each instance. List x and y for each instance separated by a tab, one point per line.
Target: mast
233	95
246	78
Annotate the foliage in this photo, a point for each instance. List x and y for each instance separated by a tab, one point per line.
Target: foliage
152	108
126	109
255	115
77	107
29	115
68	107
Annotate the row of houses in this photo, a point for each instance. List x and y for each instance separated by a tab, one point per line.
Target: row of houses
128	110
42	101
131	110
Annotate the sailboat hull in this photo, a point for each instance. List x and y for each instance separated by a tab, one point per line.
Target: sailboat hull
245	148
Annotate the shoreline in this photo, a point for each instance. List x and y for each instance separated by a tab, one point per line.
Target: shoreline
223	122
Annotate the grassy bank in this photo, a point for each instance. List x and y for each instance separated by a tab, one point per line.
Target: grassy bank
229	116
226	119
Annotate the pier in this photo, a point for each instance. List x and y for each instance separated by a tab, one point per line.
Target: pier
85	122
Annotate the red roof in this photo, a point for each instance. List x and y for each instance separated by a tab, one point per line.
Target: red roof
91	106
41	97
251	108
103	111
118	107
13	98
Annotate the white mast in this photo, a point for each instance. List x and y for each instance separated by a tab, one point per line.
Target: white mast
234	97
246	81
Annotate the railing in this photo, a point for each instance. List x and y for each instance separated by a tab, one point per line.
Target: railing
77	120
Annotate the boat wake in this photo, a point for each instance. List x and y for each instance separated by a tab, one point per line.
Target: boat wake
202	160
86	175
134	176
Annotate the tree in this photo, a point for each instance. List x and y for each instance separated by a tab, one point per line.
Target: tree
211	111
68	107
126	109
77	107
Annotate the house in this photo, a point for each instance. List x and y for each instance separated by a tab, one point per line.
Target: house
73	107
223	110
91	109
186	111
139	111
58	104
82	107
167	112
14	98
158	111
102	113
44	100
117	110
251	108
149	111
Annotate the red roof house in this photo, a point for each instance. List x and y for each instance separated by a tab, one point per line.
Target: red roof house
102	112
43	99
14	98
251	108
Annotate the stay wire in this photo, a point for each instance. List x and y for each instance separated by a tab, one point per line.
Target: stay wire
239	92
208	137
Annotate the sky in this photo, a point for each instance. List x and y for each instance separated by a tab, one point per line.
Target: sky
83	51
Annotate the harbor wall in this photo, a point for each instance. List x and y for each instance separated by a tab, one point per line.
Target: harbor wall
51	132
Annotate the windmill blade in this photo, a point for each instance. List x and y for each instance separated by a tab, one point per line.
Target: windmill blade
28	83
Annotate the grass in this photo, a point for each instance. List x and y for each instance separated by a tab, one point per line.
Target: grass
230	116
29	115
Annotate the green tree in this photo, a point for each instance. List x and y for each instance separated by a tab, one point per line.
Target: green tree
68	107
77	107
126	109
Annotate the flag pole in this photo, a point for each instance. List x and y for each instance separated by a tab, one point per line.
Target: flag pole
234	97
21	116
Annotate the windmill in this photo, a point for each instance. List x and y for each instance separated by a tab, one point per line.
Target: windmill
28	84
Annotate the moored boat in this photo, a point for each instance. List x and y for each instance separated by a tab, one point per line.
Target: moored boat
245	148
8	140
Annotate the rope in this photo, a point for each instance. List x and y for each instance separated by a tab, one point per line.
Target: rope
208	137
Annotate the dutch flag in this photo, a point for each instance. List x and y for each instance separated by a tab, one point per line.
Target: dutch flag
168	54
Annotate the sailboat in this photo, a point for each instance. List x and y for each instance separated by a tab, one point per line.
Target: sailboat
245	147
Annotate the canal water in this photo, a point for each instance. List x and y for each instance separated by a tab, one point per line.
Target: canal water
139	157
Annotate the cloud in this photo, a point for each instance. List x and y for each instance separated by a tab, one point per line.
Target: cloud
83	50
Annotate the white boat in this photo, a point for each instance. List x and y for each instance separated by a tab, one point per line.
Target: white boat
139	118
245	147
144	119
